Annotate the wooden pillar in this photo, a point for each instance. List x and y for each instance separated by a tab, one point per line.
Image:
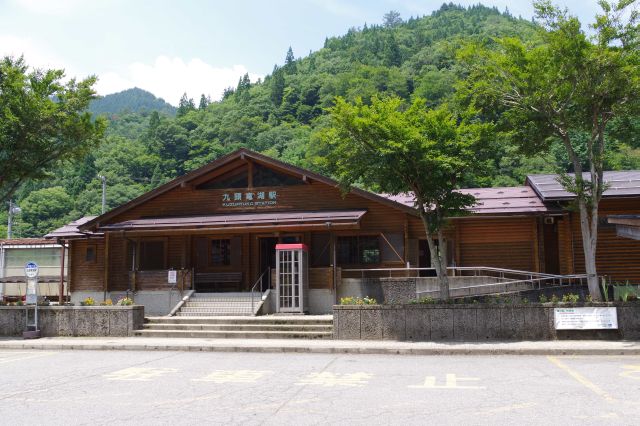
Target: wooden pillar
335	266
61	289
106	264
536	248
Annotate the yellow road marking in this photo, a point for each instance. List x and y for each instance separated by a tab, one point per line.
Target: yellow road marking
138	374
580	378
328	379
21	356
633	372
506	408
451	382
233	376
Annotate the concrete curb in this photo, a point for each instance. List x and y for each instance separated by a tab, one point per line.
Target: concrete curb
327	349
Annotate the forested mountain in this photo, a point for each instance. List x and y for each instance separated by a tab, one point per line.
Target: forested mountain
130	101
282	115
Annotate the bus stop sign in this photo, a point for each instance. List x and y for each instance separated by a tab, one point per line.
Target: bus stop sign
31	270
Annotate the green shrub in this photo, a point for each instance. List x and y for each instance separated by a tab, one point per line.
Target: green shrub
88	302
423	301
358	301
543	298
554	299
570	298
125	301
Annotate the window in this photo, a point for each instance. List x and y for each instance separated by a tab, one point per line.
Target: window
358	250
263	176
152	255
90	254
220	252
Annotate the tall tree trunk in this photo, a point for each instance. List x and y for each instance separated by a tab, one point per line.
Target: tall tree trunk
438	257
588	211
589	231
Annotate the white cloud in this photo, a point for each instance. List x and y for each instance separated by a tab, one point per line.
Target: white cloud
34	56
169	78
339	8
53	7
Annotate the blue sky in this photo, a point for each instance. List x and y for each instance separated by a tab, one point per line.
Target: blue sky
169	47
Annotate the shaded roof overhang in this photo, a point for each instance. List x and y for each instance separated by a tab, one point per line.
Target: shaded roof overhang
327	219
627	226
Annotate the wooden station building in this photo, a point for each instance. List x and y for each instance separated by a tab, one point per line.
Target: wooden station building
218	227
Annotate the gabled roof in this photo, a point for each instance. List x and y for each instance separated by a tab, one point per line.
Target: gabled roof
509	200
241	153
621	184
71	230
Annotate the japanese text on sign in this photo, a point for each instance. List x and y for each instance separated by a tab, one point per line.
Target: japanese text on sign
249	199
585	318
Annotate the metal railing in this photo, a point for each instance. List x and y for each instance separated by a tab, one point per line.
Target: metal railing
257	288
506	280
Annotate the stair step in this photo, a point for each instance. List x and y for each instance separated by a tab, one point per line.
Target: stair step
240	327
236	334
270	319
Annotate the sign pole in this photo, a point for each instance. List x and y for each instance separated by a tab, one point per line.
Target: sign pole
31	271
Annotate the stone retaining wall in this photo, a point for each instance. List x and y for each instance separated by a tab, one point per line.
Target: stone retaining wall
74	320
470	323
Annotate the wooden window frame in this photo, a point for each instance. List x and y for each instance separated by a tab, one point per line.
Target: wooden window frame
210	263
95	253
358	236
165	259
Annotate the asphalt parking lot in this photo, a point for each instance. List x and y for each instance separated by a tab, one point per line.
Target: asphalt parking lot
126	387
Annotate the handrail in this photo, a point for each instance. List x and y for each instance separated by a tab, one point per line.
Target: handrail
253	289
456	268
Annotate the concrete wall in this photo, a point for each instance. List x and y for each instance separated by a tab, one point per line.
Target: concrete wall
74	320
470	323
156	302
321	301
401	290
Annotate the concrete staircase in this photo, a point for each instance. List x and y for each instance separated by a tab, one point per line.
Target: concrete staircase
263	327
219	304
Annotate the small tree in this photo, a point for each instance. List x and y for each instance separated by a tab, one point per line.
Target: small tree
396	149
42	121
391	19
569	87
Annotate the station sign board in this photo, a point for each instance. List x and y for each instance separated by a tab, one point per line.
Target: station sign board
586	318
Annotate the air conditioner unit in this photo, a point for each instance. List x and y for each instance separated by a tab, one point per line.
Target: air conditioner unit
548	220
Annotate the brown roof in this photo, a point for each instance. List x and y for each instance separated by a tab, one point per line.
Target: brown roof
240	153
510	200
621	184
71	230
221	221
26	241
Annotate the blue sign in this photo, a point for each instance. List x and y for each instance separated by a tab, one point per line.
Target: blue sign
31	269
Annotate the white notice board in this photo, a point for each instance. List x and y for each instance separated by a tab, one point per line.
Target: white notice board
585	318
172	277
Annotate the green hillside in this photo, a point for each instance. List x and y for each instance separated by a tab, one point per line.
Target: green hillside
282	115
130	101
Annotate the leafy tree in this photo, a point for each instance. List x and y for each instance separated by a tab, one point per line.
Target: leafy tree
290	62
277	86
44	210
408	149
204	102
185	105
568	88
42	121
391	19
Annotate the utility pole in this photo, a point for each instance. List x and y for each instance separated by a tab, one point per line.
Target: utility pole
13	210
104	192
